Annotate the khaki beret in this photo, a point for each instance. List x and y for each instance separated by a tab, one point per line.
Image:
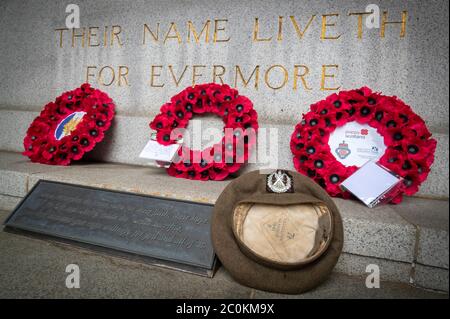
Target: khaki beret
279	232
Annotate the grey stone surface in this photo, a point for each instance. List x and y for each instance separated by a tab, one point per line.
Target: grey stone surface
415	67
135	179
355	265
380	232
437	181
8	203
128	135
13	127
433	247
32	268
13	183
15	170
425	213
431	277
431	219
353	287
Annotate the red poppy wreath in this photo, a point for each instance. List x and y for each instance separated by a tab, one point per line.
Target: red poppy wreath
222	159
69	127
400	140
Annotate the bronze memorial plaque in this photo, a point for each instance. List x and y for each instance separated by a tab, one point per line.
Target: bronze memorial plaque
171	233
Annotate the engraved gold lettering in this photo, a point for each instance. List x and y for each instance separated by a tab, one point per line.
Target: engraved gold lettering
297	28
360	16
325	75
216	74
75	36
384	22
267	75
115	32
177	81
219	28
176	35
61	31
280	28
326	24
155	74
148	30
301	76
256	37
196	75
88	73
92	33
123	75
246	82
101	76
191	29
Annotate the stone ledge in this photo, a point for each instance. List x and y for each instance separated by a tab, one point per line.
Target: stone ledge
382	234
128	135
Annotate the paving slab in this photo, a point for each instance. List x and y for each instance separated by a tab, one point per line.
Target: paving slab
376	232
427	276
353	287
431	219
34	268
8	203
356	265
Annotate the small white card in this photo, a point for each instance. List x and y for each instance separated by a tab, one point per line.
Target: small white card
160	155
355	144
372	184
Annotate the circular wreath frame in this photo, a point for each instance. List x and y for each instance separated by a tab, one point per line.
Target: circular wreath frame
237	113
40	143
410	148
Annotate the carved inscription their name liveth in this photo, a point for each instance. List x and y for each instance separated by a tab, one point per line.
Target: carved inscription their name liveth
219	32
151	227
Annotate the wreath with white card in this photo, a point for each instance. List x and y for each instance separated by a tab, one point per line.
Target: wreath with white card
349	128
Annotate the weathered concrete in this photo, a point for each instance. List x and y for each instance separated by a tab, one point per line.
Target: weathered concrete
32	268
393	237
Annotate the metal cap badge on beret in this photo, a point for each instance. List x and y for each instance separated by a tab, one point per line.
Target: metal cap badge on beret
277	232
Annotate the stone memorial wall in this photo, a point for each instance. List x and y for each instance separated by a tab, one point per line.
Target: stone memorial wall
283	55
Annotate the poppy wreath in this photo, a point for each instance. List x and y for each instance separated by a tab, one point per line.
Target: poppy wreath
69	127
409	146
222	159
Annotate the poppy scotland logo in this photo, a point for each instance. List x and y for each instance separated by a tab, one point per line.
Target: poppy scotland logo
364	131
343	151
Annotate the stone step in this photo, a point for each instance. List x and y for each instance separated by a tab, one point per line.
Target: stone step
33	268
409	242
128	135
